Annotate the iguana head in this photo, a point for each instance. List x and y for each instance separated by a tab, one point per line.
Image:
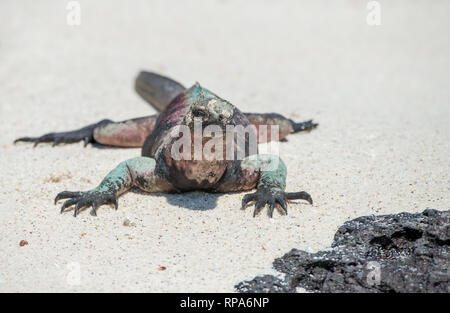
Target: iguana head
208	107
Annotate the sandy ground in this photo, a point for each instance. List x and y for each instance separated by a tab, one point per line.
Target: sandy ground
380	93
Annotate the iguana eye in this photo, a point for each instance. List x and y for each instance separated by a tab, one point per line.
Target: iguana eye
199	113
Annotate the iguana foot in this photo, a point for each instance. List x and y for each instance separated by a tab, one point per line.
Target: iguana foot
303	126
86	134
272	197
92	198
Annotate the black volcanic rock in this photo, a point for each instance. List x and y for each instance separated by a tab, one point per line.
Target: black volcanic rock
265	284
391	253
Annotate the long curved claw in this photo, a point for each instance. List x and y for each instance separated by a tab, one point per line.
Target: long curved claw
67	194
34	140
299	195
68	203
248	198
271	207
56	139
274	198
25	139
258	206
303	126
115	202
85	134
94	209
81	200
280	200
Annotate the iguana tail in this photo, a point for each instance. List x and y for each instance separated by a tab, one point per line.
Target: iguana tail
157	89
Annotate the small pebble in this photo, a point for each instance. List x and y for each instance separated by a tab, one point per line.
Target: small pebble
127	223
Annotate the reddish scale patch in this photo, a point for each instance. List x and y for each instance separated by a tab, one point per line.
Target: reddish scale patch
175	111
129	134
264	133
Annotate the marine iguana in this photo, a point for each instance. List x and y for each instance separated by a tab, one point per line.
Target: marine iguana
228	164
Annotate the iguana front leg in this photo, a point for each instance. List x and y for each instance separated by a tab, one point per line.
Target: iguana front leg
271	184
128	133
137	172
266	172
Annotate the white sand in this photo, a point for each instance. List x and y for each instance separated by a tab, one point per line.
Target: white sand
381	95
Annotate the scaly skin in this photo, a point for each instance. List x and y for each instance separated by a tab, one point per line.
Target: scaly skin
271	185
129	133
138	172
158	171
133	132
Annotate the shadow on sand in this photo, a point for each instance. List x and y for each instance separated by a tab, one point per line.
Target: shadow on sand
194	200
